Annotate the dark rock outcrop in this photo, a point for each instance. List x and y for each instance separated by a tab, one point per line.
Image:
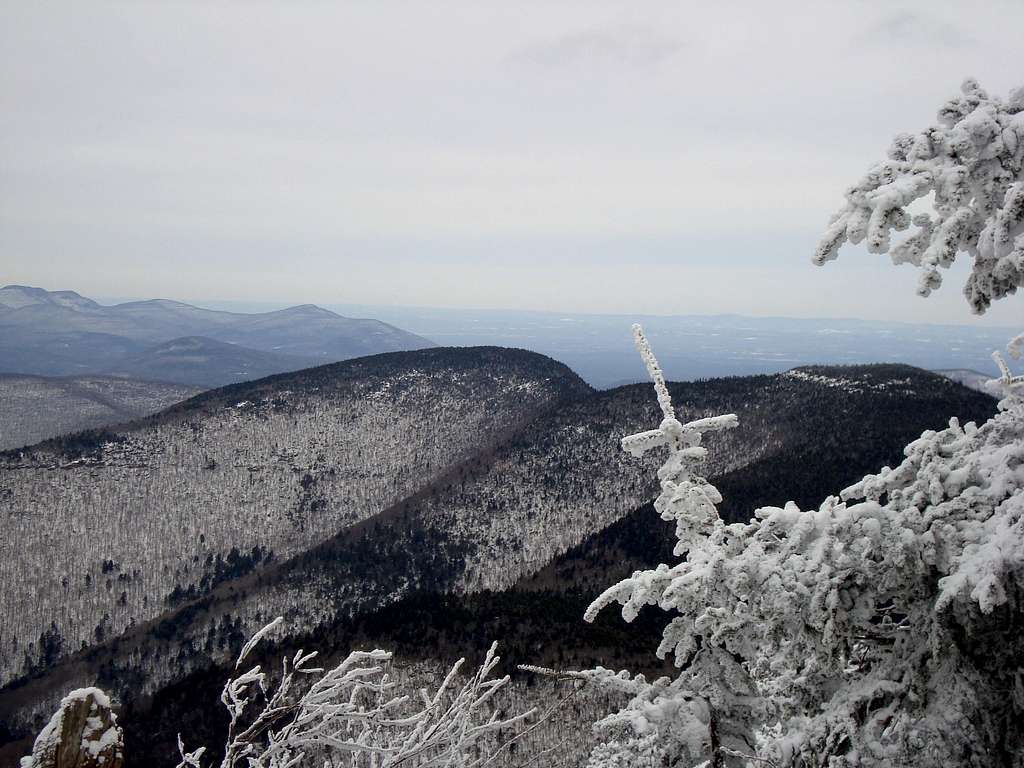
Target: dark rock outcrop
83	733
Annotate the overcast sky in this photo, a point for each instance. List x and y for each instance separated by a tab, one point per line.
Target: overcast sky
599	157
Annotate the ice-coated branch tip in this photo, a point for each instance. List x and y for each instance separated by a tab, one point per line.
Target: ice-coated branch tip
255	639
654	370
1007	381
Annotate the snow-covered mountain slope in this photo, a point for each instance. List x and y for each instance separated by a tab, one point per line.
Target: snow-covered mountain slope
18	296
110	523
35	408
424	488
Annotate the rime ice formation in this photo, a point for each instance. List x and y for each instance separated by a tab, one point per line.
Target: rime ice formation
354	715
876	630
972	164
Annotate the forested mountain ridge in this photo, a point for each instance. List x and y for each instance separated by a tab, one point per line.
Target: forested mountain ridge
214	485
484	521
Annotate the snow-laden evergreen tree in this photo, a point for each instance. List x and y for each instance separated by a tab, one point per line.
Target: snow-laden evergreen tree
881	629
972	165
680	721
352	715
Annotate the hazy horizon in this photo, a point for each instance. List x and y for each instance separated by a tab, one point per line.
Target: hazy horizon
270	305
576	157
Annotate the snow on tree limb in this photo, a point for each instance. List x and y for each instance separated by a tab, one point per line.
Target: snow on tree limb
972	163
1006	381
875	630
1016	347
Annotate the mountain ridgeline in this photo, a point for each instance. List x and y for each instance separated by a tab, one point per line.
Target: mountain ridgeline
60	333
62	355
429	501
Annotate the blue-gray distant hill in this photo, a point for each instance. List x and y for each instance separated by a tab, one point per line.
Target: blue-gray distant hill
203	362
60	333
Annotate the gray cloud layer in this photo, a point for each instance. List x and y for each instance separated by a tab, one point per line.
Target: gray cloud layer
590	156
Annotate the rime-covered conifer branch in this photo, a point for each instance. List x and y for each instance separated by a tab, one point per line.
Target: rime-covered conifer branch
972	163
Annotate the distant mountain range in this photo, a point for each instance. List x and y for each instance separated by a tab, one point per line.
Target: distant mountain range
429	501
61	333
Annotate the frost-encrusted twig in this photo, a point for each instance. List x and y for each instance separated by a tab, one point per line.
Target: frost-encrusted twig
1015	346
654	371
686	497
191	759
747	758
354	714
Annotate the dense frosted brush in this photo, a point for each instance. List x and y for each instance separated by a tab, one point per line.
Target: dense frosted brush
353	715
